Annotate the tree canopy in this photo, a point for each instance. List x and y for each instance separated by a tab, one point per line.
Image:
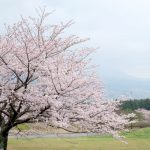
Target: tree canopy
45	77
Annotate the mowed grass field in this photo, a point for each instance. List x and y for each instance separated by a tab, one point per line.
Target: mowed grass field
138	139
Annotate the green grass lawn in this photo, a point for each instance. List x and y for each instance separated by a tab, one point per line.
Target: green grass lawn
137	140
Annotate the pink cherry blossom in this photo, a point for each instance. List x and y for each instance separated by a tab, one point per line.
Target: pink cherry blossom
46	77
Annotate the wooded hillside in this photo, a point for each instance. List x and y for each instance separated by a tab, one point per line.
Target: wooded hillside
136	104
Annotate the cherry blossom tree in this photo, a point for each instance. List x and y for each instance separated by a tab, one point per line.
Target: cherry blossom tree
46	77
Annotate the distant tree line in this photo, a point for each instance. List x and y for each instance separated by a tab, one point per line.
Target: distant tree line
134	104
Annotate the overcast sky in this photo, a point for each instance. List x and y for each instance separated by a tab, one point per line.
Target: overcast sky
121	28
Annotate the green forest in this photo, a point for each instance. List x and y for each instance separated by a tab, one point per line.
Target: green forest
134	104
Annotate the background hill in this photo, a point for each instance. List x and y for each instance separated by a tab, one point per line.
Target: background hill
141	107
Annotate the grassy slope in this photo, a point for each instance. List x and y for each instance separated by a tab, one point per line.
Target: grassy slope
137	140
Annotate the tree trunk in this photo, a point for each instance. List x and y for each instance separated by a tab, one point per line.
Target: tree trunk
4	140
